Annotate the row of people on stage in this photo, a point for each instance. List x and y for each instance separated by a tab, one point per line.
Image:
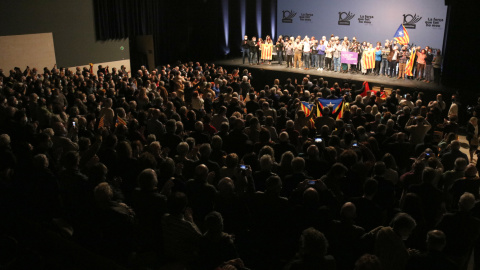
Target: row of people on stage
391	59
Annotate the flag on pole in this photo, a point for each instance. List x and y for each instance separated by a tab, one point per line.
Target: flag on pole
91	68
401	35
306	107
409	68
368	59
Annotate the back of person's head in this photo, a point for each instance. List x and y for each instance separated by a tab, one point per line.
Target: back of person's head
418	166
471	171
348	158
348	211
313	244
214	223
226	186
177	203
338	170
273	184
266	162
466	202
311	197
103	193
298	164
182	149
205	150
231	161
283	137
40	161
201	173
379	168
368	262
455	145
171	126
147	180
460	164
403	224
428	175
436	240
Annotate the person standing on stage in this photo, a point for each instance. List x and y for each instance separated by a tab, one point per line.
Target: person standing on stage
306	53
402	62
246	50
356	49
429	66
289	52
259	54
321	54
253	51
437	64
298	48
279	46
267	49
315	54
392	60
378	58
345	48
384	65
289	49
336	55
420	63
328	57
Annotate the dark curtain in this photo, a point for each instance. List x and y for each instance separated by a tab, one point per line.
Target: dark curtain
182	30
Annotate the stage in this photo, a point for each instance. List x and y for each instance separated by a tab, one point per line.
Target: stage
264	74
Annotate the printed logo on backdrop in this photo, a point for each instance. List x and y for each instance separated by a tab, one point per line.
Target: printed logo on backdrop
344	18
434	22
410	21
367	19
288	15
305	17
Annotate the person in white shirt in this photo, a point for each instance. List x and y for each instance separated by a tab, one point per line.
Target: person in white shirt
453	111
306	53
407	102
197	102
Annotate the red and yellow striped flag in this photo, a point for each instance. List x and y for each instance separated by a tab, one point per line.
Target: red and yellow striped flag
409	68
368	59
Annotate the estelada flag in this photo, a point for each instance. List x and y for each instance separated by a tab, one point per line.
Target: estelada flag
409	67
120	121
401	35
368	59
335	104
306	107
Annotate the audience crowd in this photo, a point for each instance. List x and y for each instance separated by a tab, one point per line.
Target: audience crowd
190	166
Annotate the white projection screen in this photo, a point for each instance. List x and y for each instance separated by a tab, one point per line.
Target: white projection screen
34	50
367	20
